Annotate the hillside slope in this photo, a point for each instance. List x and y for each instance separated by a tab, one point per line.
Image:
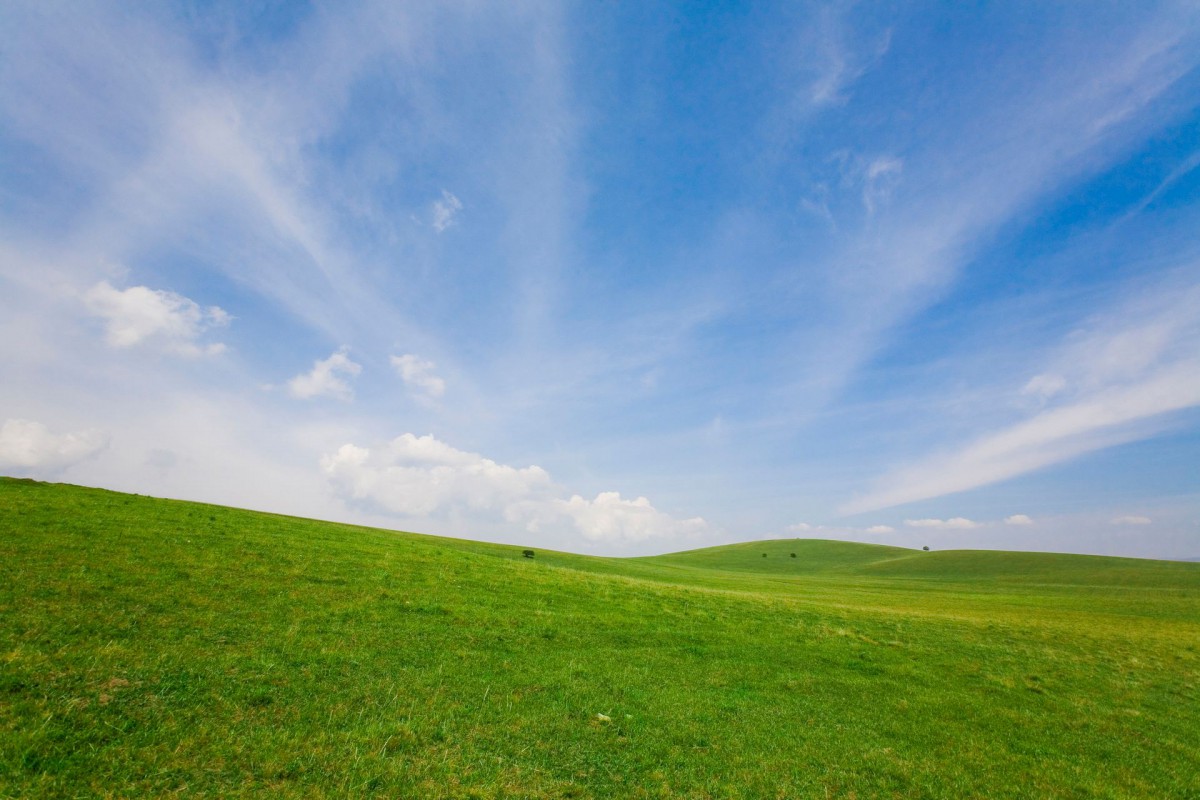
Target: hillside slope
152	647
1038	568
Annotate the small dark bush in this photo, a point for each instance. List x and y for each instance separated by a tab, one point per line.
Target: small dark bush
926	547
529	553
764	555
793	555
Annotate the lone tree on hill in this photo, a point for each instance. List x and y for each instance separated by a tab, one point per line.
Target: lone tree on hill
529	553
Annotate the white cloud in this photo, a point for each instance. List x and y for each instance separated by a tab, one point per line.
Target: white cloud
445	210
839	62
31	447
1044	386
420	476
418	375
1129	366
1131	520
142	316
954	523
883	166
1023	146
1018	519
610	518
880	179
1052	436
804	527
323	380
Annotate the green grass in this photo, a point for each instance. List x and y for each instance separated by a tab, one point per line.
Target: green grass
153	648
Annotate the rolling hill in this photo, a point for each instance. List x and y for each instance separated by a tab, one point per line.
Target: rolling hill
152	647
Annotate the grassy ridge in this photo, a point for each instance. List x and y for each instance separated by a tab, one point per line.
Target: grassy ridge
150	647
785	557
810	557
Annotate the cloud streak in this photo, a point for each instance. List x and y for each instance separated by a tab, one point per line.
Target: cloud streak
1115	381
445	211
954	523
1031	140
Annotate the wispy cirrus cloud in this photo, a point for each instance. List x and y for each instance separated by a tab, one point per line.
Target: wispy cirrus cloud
445	211
1115	380
954	523
837	61
804	527
879	180
1130	519
1032	139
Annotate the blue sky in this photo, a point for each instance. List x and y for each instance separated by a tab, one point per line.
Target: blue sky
613	278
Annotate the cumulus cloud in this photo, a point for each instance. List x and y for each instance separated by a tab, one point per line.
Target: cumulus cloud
800	527
1018	519
420	476
881	529
608	517
445	210
140	315
954	523
1131	520
28	446
418	375
324	381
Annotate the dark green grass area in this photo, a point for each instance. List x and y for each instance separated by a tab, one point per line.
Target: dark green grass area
153	648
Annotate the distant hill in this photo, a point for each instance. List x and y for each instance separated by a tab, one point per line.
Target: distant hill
812	557
775	556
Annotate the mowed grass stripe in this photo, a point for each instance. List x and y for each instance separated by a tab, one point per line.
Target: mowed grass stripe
150	647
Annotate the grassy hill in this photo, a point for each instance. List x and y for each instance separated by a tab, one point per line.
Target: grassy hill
152	647
786	557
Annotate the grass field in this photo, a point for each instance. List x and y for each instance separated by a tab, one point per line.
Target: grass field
162	648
